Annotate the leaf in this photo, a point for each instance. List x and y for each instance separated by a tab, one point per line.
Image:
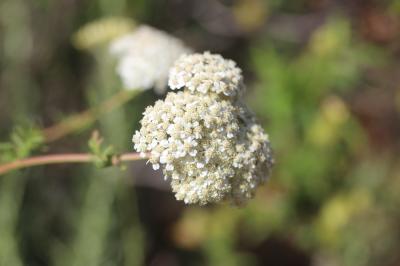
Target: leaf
103	155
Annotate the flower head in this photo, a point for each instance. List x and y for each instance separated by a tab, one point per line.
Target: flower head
145	57
210	148
206	73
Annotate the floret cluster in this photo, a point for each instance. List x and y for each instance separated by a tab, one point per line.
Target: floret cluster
206	73
209	145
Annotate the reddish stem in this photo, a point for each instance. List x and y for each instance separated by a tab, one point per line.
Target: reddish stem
62	158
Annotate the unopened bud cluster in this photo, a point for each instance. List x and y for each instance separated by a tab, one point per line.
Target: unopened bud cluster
145	57
208	144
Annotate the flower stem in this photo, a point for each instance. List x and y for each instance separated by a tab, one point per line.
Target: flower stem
82	120
63	158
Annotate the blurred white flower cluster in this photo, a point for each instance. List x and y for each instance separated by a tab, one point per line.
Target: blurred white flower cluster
208	144
145	57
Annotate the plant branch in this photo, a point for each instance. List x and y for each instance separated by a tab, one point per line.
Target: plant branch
64	158
81	120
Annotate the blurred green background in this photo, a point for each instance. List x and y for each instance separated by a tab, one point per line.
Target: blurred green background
323	77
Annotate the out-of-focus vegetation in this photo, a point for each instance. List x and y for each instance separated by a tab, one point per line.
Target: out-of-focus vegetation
322	77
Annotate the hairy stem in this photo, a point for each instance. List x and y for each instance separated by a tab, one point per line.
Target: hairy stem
82	120
63	158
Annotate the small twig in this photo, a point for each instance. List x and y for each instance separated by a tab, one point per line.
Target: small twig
63	158
81	120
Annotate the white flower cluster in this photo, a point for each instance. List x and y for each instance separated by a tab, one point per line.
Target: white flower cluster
206	73
145	57
209	145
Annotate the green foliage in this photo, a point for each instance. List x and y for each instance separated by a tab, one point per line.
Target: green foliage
103	155
317	139
23	141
